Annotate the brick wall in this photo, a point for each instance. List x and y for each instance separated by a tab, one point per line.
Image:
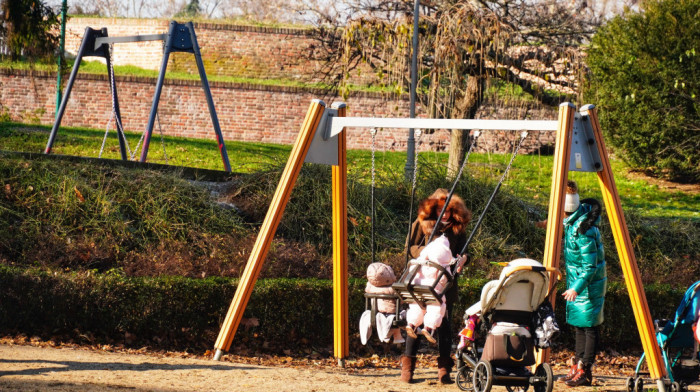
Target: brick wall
246	112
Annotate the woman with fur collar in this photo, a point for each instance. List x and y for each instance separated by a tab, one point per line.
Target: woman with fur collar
453	226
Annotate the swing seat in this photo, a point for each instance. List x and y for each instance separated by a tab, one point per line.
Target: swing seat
422	294
371	305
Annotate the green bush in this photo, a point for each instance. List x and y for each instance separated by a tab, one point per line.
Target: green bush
28	29
645	78
184	313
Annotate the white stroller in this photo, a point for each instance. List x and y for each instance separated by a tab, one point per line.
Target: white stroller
508	307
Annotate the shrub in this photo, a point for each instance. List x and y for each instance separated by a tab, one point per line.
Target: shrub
184	313
28	28
645	79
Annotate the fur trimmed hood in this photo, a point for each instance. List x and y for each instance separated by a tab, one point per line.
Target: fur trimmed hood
429	210
593	217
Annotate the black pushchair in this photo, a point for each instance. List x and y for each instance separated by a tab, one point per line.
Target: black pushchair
508	306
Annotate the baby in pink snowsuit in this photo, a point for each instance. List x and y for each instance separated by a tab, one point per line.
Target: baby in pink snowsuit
438	251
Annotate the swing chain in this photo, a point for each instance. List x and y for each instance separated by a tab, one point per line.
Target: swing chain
104	139
113	87
469	151
523	135
373	132
454	184
162	138
417	134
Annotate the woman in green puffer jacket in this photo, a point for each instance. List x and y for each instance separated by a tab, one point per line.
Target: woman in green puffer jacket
586	280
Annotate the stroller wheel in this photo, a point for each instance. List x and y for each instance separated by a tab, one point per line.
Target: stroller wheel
638	385
464	378
676	387
544	371
511	388
630	384
483	376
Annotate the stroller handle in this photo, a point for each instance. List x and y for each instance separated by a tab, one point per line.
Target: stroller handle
535	268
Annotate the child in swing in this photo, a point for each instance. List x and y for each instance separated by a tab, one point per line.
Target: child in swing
437	251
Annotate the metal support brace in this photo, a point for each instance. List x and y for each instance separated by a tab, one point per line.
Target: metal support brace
324	149
132	38
584	152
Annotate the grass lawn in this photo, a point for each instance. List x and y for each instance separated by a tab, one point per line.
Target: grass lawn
529	179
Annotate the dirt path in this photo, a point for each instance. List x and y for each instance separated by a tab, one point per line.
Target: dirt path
30	368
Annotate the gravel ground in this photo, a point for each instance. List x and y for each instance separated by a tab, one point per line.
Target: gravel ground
31	368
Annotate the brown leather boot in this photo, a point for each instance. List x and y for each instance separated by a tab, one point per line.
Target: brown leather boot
444	369
408	366
571	374
583	377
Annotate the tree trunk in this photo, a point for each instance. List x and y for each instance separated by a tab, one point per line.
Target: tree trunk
465	108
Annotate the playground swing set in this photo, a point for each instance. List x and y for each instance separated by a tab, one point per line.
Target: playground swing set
579	146
97	43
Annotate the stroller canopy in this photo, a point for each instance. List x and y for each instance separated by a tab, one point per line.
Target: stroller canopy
522	286
688	309
678	333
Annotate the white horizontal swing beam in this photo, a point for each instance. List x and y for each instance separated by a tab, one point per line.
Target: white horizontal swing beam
338	123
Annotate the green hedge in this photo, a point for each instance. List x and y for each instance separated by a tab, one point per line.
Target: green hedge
183	313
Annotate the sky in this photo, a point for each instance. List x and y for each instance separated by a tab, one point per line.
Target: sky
221	8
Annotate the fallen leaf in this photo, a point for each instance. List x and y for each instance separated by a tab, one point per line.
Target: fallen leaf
78	194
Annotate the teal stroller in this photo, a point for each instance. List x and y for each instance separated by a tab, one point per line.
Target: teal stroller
678	346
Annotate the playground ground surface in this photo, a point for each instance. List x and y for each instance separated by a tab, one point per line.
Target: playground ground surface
27	367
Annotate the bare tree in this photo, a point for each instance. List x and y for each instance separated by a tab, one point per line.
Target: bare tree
530	43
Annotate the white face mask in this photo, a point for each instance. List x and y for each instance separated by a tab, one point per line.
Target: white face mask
571	202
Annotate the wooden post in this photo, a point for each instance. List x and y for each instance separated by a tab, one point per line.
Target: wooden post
628	262
560	173
341	347
269	227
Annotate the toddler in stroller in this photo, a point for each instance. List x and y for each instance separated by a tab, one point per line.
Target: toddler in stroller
507	310
678	346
